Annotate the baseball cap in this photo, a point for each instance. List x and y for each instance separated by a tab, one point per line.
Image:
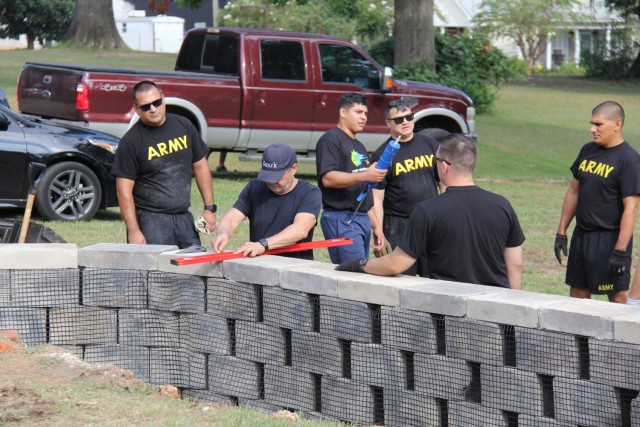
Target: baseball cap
277	158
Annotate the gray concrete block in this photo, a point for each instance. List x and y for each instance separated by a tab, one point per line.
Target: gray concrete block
614	363
635	412
473	340
231	376
202	269
469	414
288	309
62	287
109	287
531	421
134	359
547	352
204	333
122	256
319	278
177	367
289	388
83	325
347	400
510	389
5	288
408	330
259	342
441	377
376	365
376	289
206	396
584	317
176	292
232	300
149	328
349	320
403	408
38	256
317	353
514	307
442	297
263	270
31	323
626	328
586	403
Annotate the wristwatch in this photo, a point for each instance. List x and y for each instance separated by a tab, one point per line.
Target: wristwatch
264	243
212	208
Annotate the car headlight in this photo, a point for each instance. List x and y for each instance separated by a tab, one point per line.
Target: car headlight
106	144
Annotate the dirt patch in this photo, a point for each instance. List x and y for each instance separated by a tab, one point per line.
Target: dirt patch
19	403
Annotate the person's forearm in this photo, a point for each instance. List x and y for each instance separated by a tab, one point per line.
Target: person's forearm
337	179
290	235
569	205
627	224
204	182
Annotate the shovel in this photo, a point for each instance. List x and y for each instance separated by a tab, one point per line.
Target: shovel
35	173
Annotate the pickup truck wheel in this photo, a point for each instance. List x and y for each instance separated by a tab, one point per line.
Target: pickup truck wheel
68	191
435	133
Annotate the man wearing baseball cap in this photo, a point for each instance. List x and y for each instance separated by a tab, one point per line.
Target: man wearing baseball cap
281	208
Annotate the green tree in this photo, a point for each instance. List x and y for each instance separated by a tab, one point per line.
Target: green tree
530	23
628	8
42	19
413	31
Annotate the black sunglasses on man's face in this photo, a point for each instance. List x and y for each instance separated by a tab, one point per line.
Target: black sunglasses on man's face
146	107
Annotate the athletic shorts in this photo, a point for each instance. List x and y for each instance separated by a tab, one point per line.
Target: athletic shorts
168	229
394	228
588	262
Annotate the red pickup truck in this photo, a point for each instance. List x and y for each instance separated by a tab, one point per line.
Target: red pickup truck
245	89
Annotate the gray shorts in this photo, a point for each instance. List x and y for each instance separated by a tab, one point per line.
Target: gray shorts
168	229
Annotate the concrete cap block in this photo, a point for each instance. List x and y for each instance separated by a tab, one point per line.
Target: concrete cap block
262	270
319	278
205	269
26	256
513	307
122	256
584	317
627	329
375	289
444	297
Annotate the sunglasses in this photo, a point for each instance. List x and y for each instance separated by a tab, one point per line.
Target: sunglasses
399	120
438	159
146	107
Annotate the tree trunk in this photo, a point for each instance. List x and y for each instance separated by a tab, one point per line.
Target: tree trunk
413	31
93	25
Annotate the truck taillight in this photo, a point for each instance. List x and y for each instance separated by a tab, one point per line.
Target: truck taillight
82	97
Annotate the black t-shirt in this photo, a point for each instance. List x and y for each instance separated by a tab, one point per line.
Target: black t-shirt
160	161
336	151
463	233
412	176
270	213
606	176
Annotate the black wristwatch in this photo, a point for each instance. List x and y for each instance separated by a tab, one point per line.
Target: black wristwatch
264	243
212	208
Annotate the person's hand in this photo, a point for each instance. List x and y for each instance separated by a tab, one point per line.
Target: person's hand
210	217
136	238
385	250
250	249
561	244
220	242
355	265
374	174
618	262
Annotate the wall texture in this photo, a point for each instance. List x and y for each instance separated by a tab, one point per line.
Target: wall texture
277	333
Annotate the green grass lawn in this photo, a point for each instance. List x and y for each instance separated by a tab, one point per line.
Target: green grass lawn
525	147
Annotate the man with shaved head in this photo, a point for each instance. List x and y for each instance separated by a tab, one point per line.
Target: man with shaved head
603	196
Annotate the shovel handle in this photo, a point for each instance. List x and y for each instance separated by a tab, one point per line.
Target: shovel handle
27	217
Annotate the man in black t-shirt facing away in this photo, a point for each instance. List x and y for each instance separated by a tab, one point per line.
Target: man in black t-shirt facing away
467	234
603	196
153	167
411	178
281	208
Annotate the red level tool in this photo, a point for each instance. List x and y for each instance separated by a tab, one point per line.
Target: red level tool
223	256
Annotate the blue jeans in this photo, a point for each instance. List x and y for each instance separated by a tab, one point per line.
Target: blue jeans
334	225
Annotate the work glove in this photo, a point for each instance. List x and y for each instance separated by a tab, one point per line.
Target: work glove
355	265
202	225
561	244
386	249
617	262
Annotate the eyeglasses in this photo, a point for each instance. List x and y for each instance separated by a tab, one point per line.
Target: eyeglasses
146	107
399	120
438	159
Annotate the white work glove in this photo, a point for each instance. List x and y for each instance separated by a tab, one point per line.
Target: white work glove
202	225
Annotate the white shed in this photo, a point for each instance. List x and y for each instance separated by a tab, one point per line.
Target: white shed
152	33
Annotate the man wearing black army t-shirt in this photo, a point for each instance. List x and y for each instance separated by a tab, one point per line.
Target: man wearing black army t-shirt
153	167
411	178
603	196
467	234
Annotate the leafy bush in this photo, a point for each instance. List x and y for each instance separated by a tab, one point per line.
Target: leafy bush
616	62
566	69
465	62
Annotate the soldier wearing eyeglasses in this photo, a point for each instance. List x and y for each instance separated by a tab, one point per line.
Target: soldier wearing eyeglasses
153	167
411	178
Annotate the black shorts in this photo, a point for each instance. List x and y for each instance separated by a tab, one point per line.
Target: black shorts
588	262
394	228
168	229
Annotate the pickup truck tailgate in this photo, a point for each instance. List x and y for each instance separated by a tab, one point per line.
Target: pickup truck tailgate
48	91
